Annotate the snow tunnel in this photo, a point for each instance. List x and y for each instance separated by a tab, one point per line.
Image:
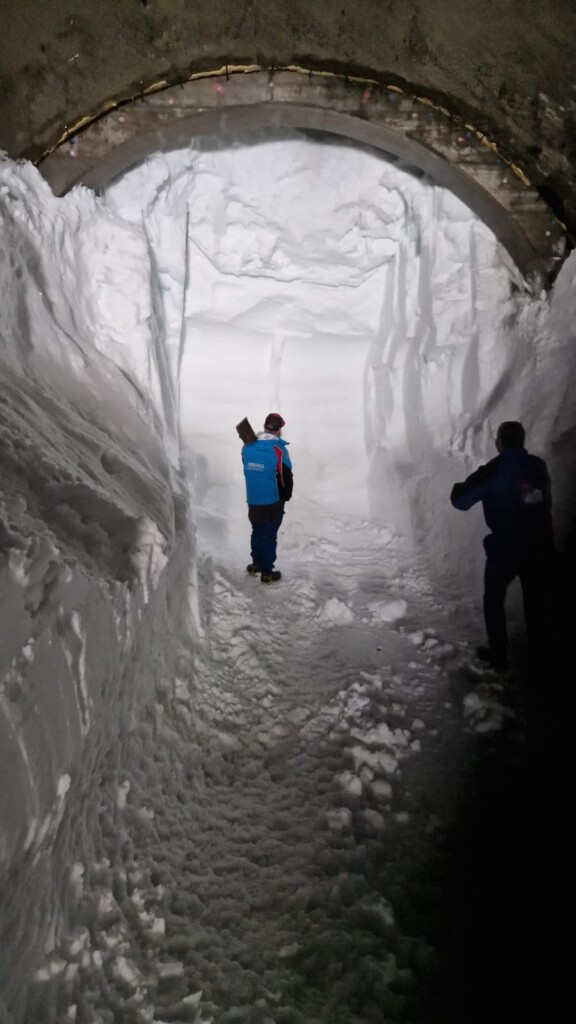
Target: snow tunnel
207	785
301	271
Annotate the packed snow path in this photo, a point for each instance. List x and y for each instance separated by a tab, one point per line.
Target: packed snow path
269	835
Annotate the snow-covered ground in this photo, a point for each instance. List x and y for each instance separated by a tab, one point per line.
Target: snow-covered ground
262	831
221	801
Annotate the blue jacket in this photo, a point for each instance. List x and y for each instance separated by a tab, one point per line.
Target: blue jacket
514	489
267	470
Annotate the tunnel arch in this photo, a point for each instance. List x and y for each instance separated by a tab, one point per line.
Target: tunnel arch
407	128
484	68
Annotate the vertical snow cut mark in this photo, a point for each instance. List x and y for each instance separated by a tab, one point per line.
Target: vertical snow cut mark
74	649
148	557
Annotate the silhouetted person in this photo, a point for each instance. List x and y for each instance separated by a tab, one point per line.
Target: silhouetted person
514	489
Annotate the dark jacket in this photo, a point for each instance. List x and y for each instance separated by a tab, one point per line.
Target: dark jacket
514	489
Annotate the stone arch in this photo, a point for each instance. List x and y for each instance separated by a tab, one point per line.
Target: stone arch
409	129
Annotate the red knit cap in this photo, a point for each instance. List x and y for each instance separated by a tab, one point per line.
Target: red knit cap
273	421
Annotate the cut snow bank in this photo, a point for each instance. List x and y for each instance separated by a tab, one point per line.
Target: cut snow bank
87	523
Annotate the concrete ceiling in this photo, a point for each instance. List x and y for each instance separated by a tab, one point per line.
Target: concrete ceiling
508	67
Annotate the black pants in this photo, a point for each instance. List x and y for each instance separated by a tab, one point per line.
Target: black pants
536	578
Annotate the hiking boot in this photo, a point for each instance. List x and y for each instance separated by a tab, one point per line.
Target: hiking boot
253	569
496	661
271	577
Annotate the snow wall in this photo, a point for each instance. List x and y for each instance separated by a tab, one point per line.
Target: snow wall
93	546
371	308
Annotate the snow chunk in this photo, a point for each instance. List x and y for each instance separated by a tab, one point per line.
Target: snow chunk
126	971
379	760
383	736
336	613
484	711
349	781
388	611
122	795
63	786
288	951
339	820
171	970
373	820
416	638
192	1002
381	787
53	967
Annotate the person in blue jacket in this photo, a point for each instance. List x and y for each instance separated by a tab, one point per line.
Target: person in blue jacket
515	492
269	482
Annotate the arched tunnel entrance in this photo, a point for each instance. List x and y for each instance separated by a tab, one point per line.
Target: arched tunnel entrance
226	803
406	127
